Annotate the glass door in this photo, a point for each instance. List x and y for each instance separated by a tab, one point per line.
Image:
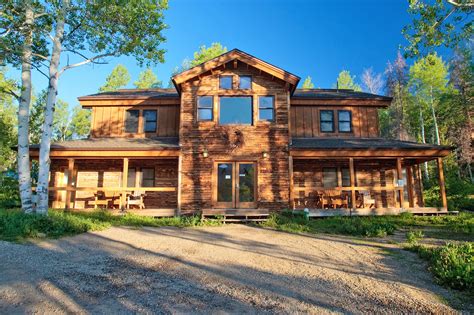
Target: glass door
236	185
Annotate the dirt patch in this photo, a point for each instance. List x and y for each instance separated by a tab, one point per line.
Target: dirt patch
236	269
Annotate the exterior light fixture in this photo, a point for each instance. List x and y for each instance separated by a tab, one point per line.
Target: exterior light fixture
265	155
205	154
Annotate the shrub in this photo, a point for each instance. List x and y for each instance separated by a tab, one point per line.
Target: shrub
414	236
451	264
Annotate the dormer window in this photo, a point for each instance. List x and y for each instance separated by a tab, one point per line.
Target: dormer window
131	120
225	82
149	120
326	119
344	120
245	82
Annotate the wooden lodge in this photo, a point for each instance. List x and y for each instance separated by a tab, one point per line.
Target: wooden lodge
235	136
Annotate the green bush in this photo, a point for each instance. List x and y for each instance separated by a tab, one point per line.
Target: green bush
414	236
451	264
16	226
9	194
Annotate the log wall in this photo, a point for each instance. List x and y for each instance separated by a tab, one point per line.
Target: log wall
238	142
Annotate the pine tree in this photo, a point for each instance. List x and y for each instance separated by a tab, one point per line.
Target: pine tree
118	78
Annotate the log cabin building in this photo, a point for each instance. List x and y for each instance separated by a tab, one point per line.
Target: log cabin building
236	136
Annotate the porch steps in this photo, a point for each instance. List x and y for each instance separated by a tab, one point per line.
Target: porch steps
236	215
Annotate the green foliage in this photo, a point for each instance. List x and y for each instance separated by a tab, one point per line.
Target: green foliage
357	226
308	84
437	23
207	53
413	237
17	226
147	79
80	123
118	78
451	264
346	81
8	118
9	194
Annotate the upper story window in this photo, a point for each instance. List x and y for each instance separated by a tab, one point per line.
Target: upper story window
131	120
225	82
235	110
245	82
266	105
204	108
326	119
149	120
344	120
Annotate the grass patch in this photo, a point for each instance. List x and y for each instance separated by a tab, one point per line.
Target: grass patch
376	226
17	226
452	264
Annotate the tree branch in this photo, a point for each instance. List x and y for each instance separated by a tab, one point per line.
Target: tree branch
85	57
84	62
40	56
8	91
461	5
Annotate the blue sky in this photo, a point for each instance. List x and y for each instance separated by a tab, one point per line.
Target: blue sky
316	38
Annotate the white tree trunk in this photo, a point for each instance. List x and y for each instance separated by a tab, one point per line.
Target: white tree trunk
423	139
435	120
24	175
44	160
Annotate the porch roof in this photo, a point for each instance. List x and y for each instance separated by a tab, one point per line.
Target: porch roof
366	147
113	147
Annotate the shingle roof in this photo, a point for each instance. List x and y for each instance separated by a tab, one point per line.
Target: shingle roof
359	143
115	144
134	94
336	94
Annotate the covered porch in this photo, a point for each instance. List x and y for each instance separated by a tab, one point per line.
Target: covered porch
352	180
136	179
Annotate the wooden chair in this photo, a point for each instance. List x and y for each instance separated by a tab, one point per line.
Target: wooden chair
136	199
366	200
100	199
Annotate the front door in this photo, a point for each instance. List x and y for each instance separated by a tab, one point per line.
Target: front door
236	185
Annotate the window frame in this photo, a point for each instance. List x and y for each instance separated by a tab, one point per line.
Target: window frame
335	172
207	108
251	81
145	121
321	121
138	122
266	108
142	179
236	96
231	82
345	121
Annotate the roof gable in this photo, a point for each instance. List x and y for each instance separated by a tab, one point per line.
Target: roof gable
241	56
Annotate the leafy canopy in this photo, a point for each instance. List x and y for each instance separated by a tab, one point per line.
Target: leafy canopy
308	84
346	81
437	23
147	79
204	54
118	78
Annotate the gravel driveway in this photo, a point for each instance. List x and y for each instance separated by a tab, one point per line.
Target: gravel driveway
235	268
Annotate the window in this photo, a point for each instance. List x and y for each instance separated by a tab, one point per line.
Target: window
346	177
245	82
149	120
344	120
225	82
329	177
131	177
326	118
265	108
131	121
235	110
204	107
148	177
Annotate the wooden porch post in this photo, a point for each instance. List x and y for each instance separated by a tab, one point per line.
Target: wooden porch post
442	188
352	179
399	177
124	184
70	175
290	165
178	202
421	202
410	186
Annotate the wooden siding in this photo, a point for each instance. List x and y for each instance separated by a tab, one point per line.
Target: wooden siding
305	121
271	137
109	121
